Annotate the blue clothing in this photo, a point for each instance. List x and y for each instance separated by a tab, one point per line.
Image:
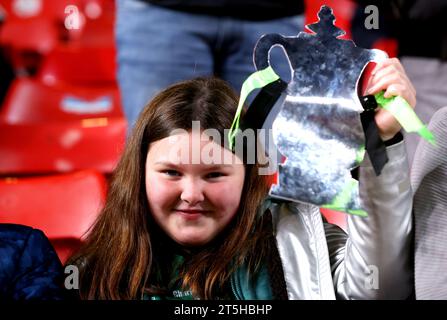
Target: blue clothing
242	9
157	47
29	266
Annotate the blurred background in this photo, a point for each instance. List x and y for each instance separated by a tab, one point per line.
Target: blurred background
62	125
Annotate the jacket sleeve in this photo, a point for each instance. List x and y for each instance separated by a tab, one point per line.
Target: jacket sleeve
39	272
374	261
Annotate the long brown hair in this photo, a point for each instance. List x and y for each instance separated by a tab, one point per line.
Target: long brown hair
119	257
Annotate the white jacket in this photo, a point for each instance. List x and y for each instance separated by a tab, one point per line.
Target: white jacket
320	261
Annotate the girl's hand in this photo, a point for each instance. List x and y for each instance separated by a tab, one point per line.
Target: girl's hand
389	75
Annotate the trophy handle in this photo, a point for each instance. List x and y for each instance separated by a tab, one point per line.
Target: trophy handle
261	55
378	55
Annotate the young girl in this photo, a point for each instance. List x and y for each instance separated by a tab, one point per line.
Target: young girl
175	226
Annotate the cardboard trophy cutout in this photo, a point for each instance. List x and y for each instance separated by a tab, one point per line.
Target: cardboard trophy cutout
318	127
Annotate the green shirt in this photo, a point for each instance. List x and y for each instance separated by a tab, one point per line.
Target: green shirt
174	285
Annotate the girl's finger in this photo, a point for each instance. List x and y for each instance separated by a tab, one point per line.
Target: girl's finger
386	123
383	83
391	64
391	61
385	72
401	90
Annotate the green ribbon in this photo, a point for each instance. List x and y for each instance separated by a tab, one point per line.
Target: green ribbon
256	80
343	198
360	154
405	114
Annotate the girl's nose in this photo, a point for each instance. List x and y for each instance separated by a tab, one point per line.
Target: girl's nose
192	192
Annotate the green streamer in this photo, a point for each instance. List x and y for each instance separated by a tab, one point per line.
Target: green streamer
256	80
360	154
341	201
405	114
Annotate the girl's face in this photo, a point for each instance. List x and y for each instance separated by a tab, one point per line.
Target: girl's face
190	197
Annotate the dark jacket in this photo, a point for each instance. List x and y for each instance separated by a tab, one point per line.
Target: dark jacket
29	266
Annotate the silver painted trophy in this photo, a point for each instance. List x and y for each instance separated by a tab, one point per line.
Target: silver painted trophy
318	128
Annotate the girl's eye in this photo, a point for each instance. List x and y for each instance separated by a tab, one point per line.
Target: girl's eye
171	173
214	175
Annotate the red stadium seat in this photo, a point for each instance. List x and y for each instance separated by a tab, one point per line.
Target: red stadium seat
50	9
62	206
79	65
62	128
30	101
99	32
33	36
38	26
59	147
